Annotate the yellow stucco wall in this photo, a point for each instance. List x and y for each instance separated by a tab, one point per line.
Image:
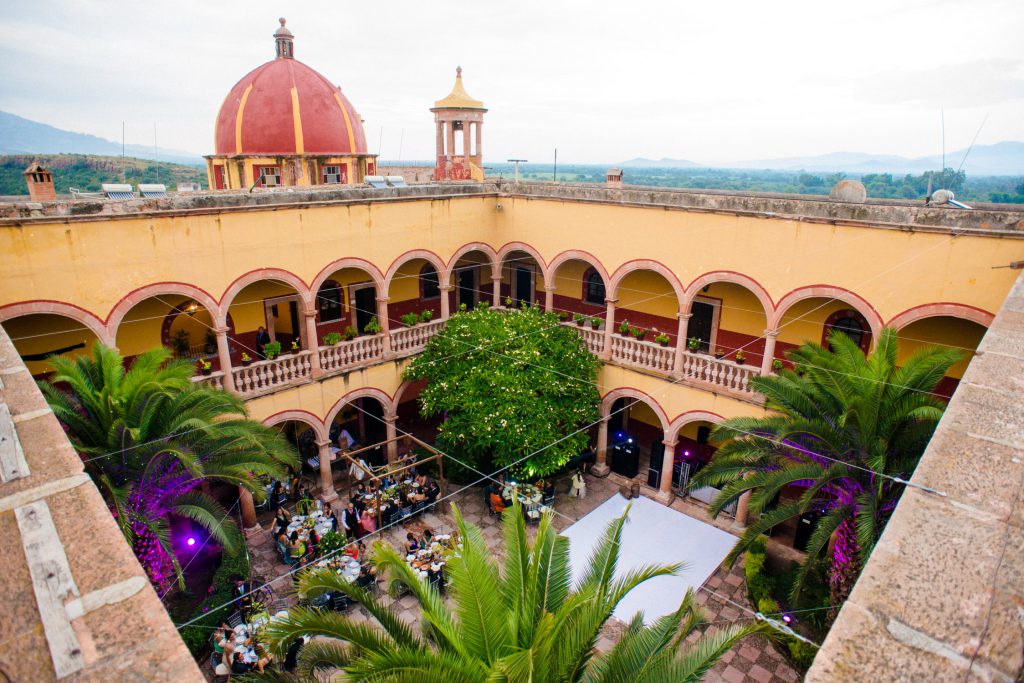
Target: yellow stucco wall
960	334
740	309
648	292
35	334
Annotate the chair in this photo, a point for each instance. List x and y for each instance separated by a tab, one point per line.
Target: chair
340	602
235	619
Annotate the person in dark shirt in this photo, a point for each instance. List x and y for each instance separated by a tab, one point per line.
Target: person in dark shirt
262	339
239	666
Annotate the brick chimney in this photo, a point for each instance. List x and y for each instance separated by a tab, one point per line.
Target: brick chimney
40	183
613	178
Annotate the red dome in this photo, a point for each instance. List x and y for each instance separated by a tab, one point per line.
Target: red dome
284	107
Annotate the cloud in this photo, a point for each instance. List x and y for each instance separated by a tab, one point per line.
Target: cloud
977	83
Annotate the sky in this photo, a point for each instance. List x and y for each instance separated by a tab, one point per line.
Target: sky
602	82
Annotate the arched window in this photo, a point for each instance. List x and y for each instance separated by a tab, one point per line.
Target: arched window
852	324
328	301
593	288
430	284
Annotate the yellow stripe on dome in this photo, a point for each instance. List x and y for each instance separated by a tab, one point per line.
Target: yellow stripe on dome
348	124
238	120
297	119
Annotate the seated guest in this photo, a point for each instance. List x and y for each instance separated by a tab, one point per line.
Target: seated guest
239	665
432	492
346	441
313	544
282	537
428	536
274	496
228	647
281	519
297	546
411	544
291	658
497	504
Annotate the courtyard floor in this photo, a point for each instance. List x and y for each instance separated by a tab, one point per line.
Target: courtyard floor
721	595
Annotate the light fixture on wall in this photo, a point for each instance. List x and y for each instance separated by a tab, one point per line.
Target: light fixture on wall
191	308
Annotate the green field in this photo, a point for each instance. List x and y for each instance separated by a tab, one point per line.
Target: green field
86	172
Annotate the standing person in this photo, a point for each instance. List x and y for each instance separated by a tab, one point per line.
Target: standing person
243	595
331	517
350	519
262	339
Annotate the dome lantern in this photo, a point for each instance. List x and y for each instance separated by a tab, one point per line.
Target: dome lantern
285	42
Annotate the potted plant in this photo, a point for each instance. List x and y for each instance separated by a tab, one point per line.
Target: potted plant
562	316
180	343
508	301
272	350
410	319
693	344
332	338
427	315
719	353
484	304
740	357
295	346
350	333
204	366
662	338
595	323
372	327
462	308
624	328
777	365
579	319
246	358
638	332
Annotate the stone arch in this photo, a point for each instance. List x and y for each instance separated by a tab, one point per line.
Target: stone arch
486	249
507	249
400	391
425	254
76	313
289	278
628	392
348	262
683	419
748	283
579	255
364	392
303	416
971	313
645	264
853	300
139	295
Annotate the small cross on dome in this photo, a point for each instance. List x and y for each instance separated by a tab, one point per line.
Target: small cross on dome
458	72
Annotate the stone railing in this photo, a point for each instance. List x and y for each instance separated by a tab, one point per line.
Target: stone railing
347	355
642	354
406	341
267	375
722	373
593	338
214	379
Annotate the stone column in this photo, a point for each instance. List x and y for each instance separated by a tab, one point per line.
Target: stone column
769	351
449	151
479	143
313	344
466	140
224	357
684	324
665	487
440	138
496	284
385	327
549	298
391	436
609	329
327	491
249	523
742	506
445	304
600	468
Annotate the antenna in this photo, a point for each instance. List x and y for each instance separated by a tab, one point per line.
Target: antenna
554	172
380	141
401	139
942	113
973	140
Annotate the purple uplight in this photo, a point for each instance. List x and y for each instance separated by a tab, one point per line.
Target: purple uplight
191	541
787	618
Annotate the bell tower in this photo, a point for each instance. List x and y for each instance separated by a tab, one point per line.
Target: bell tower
459	119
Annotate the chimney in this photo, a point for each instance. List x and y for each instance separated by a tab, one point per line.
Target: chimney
40	183
614	178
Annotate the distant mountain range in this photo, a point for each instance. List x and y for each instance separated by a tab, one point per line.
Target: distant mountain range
1002	158
23	136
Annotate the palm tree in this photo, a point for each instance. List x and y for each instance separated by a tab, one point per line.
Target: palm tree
838	421
525	623
149	437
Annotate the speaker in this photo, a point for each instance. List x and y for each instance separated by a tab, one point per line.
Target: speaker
626	459
657	454
653	478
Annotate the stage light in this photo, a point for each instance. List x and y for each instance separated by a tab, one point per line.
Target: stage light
686	453
787	618
629	440
191	541
619	435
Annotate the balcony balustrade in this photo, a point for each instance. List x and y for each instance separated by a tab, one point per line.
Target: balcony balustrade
407	341
267	375
719	373
214	379
594	339
348	355
642	354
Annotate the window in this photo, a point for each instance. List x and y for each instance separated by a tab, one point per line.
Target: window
852	324
267	176
329	301
430	285
334	175
593	288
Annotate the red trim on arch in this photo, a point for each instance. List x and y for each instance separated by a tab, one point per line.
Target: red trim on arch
157	288
942	309
53	307
781	308
263	274
425	254
623	271
296	415
732	277
584	257
608	400
363	392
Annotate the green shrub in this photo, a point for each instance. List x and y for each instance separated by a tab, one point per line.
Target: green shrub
410	319
218	605
802	653
427	315
332	338
272	349
331	542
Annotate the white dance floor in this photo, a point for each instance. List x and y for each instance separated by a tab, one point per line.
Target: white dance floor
653	534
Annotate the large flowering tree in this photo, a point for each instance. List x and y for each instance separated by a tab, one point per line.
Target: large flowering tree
838	421
509	383
149	437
